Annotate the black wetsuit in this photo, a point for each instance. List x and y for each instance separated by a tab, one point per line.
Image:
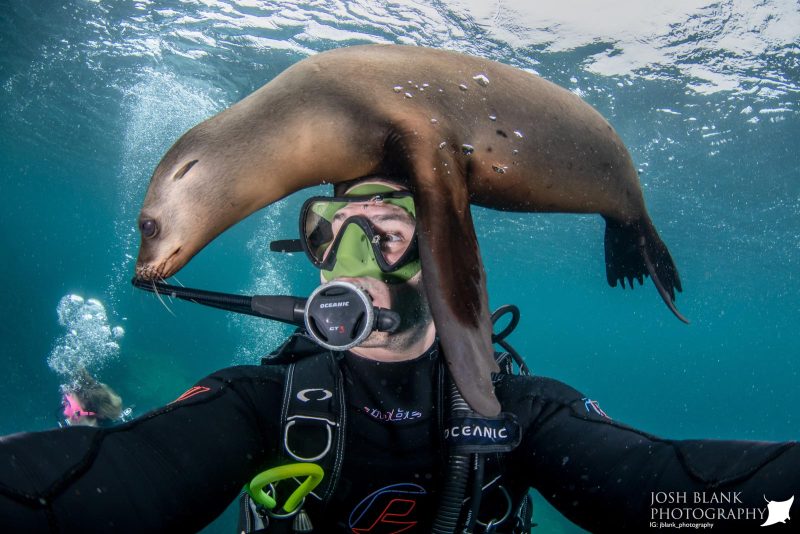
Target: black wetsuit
177	468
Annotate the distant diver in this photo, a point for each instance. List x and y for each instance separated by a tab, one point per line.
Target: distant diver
88	402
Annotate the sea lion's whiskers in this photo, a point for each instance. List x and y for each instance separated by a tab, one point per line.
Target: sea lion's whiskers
155	290
170	295
179	282
190	300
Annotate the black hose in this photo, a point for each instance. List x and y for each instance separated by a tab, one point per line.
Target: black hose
500	337
290	310
478	461
200	296
512	324
523	367
455	481
223	301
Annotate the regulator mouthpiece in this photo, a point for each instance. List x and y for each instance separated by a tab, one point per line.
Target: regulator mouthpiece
340	316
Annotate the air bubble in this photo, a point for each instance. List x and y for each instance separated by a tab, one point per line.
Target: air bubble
467	149
89	341
482	80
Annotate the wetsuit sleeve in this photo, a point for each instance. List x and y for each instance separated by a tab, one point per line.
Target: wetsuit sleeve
608	477
171	470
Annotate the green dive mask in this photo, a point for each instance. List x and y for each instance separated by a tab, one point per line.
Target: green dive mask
371	232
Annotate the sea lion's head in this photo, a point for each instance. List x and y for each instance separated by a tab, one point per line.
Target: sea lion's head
205	183
195	194
241	160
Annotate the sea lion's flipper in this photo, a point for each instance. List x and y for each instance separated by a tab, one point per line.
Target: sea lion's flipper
452	272
634	251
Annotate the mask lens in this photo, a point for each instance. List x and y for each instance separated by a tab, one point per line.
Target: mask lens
387	224
317	229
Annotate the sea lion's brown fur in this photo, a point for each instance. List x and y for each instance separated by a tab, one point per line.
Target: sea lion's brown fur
459	129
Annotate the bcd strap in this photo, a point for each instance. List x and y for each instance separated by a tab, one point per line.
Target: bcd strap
313	417
471	433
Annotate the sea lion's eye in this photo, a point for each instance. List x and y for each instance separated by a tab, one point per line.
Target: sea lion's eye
148	228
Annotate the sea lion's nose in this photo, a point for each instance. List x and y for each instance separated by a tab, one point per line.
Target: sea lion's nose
148	228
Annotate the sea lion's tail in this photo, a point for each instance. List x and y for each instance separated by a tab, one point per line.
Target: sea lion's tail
634	251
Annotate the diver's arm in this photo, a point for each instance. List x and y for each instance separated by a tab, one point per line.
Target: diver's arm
174	469
606	476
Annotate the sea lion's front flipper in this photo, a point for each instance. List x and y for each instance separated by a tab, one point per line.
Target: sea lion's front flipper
636	250
452	272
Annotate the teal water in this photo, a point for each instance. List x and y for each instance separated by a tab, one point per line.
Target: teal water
705	94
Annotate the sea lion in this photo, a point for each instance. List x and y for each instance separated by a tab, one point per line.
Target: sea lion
459	129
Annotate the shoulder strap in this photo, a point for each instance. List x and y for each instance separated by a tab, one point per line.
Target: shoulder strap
313	416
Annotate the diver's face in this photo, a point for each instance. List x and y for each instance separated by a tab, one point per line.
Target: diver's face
73	410
394	227
396	230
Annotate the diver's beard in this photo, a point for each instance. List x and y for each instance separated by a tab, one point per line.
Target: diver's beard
415	319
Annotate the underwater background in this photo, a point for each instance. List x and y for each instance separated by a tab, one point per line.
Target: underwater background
704	94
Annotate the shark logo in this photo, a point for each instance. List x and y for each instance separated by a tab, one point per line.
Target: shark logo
778	511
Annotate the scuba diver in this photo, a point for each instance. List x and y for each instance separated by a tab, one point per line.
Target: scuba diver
353	425
87	402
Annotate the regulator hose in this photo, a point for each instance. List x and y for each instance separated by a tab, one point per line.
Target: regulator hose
455	480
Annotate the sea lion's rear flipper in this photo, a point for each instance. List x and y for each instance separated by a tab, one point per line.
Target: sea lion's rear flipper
634	251
455	283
